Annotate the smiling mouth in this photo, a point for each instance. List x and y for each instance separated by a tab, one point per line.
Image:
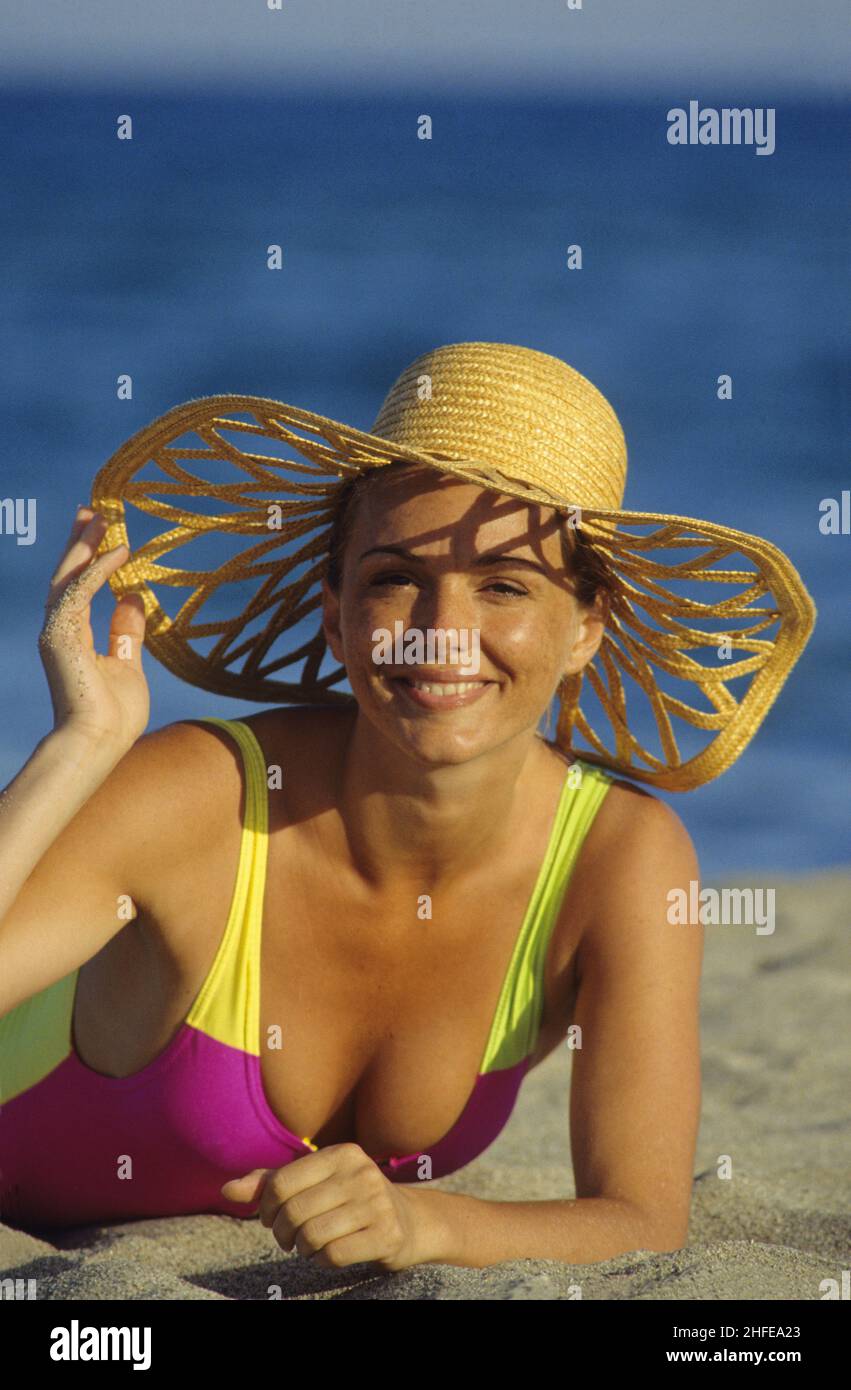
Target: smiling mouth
446	694
443	687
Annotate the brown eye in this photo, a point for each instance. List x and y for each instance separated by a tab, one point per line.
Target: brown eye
508	589
390	578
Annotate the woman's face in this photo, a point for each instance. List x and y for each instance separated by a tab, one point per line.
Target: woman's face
428	552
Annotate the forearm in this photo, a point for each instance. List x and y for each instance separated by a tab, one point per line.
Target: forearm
464	1230
64	770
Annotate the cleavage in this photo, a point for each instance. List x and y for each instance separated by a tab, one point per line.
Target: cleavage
379	1042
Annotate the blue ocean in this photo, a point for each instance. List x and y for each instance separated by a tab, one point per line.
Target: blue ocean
147	257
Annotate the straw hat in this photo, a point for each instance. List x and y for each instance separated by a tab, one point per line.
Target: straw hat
510	419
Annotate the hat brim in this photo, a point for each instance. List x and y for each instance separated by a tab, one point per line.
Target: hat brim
650	631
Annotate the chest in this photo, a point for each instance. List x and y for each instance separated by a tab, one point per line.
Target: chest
374	1009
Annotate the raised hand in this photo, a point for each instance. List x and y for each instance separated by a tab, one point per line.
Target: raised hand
103	697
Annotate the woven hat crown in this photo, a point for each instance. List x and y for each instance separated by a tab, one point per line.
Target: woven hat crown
515	409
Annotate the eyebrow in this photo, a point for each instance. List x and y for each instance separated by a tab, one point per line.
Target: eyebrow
488	560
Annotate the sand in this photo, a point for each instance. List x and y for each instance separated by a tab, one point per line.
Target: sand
775	1098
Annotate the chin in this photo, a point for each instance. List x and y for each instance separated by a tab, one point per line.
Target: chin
440	748
435	740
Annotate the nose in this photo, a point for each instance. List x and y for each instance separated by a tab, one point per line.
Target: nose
445	603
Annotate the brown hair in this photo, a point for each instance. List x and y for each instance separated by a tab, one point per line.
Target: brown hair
585	566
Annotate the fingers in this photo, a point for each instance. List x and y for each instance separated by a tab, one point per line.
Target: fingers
81	520
340	1224
127	629
77	568
338	1211
247	1188
69	602
88	527
280	1191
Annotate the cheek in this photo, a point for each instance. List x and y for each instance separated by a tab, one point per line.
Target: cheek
532	641
362	614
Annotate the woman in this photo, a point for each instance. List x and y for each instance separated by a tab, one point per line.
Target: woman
433	896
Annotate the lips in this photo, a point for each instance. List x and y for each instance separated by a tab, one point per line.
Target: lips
440	694
445	687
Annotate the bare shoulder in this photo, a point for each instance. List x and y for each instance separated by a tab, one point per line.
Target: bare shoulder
632	828
637	854
182	760
306	743
297	726
172	779
173	796
202	760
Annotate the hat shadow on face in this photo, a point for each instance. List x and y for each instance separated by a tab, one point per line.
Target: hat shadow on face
392	510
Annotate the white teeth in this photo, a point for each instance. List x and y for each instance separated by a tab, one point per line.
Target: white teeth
460	689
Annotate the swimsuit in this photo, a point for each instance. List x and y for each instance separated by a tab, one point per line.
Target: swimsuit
79	1147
